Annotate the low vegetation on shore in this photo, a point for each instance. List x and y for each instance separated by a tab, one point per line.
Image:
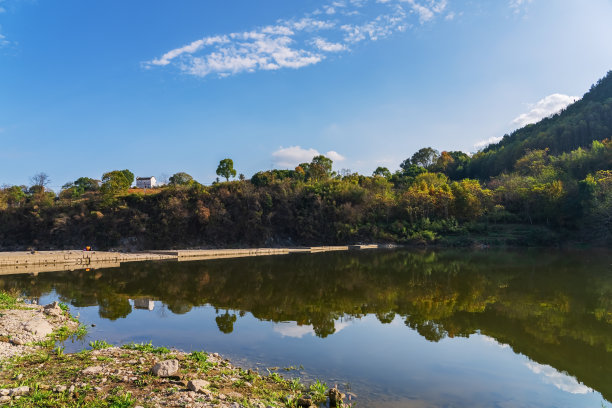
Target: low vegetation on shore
133	375
544	184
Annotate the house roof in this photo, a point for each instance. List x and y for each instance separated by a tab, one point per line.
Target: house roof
145	178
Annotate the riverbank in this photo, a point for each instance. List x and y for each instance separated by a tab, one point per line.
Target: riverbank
34	372
53	261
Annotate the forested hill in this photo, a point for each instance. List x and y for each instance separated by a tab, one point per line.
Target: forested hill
584	121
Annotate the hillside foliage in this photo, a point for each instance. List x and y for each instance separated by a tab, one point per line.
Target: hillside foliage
543	184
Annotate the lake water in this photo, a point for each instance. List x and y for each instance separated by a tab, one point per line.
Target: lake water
401	328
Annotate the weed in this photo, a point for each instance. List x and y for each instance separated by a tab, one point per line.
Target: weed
296	384
201	360
59	351
276	378
99	345
318	391
121	400
7	301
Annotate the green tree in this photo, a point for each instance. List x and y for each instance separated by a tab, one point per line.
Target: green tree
320	168
181	179
226	169
76	188
425	157
116	181
382	172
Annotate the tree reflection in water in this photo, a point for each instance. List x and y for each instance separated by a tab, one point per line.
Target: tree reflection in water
554	307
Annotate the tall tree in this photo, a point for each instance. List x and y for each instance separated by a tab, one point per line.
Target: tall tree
226	169
180	179
425	157
382	172
320	168
116	181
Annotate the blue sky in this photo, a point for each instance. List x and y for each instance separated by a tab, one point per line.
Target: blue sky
160	87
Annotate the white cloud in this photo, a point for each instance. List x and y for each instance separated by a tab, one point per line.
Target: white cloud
544	108
297	43
484	143
289	157
519	5
560	380
326	46
335	156
292	329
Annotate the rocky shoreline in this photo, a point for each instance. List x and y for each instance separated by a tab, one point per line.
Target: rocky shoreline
35	372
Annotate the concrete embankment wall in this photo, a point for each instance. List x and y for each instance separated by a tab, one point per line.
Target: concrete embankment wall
48	261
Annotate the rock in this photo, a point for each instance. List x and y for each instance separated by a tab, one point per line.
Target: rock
18	377
71	389
43	387
4	391
92	370
198	385
5	398
335	397
234	395
60	388
53	309
304	401
38	326
166	368
19	391
18	341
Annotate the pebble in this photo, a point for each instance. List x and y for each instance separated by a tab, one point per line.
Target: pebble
92	370
19	391
5	398
198	385
60	388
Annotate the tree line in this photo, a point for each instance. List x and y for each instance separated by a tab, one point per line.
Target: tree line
544	184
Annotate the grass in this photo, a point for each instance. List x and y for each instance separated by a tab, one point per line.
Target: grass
8	301
146	348
200	360
49	367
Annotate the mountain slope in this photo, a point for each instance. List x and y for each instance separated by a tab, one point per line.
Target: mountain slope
578	125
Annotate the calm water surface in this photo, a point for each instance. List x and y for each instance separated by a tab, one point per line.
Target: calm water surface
396	328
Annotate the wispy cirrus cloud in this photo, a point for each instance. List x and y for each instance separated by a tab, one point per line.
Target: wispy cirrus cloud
3	40
519	6
301	41
289	157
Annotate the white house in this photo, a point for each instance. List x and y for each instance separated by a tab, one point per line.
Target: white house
145	182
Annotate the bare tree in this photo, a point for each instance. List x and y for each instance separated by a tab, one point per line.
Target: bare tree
41	180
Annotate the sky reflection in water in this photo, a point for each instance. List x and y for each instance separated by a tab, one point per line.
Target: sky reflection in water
400	328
